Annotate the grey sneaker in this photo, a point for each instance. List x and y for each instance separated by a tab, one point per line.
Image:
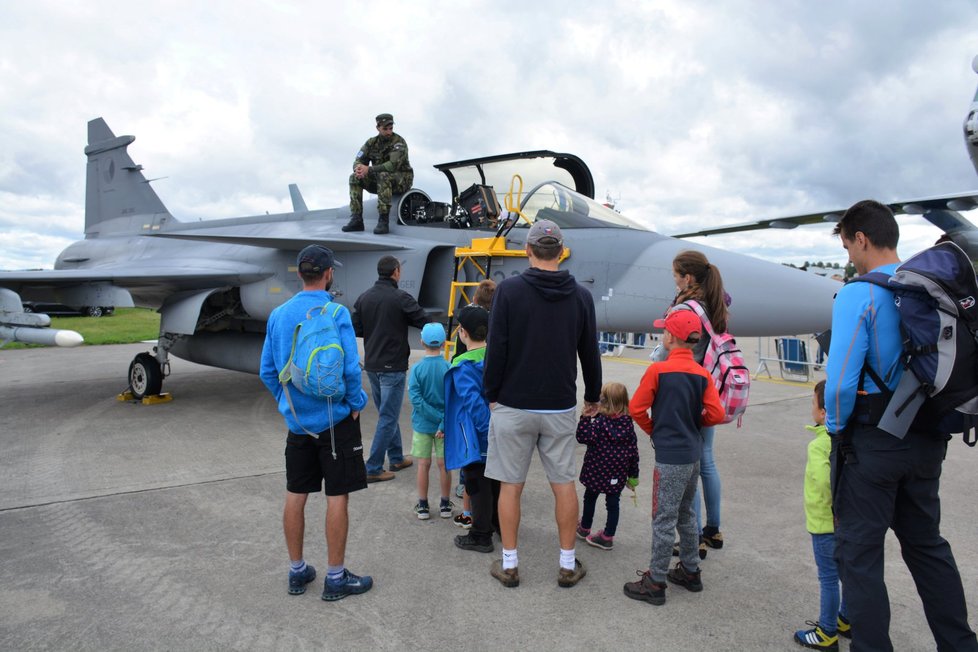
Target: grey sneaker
568	578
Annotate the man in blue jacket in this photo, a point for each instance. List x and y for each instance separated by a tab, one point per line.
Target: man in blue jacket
335	454
882	482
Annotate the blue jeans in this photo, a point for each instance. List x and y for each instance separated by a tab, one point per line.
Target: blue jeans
711	484
387	388
831	606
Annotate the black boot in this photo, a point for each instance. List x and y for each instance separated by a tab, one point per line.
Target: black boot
355	224
383	224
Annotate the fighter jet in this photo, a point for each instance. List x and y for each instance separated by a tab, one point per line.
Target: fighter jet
215	282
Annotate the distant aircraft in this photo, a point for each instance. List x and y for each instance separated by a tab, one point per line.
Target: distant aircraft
942	212
215	282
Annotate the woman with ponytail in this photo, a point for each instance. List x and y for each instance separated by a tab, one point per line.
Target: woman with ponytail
698	280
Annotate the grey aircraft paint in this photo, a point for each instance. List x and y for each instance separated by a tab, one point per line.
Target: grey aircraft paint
216	281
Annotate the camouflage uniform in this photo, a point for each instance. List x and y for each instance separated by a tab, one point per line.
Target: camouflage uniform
390	172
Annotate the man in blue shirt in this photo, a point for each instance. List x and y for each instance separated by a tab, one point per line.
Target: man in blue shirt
880	481
335	454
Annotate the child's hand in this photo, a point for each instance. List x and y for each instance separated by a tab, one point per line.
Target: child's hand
439	435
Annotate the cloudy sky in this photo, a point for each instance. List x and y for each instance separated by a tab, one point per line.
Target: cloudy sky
688	114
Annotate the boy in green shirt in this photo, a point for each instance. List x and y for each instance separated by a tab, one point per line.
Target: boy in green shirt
832	621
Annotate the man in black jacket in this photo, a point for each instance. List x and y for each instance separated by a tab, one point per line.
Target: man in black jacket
541	322
381	315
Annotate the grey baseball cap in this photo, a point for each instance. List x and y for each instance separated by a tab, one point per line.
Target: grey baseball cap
545	233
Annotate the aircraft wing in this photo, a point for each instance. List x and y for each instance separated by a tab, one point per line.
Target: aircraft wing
171	275
940	211
294	243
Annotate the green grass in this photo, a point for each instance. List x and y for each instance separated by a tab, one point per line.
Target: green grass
127	325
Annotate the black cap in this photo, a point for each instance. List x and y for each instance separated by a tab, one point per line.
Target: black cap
385	119
471	317
315	259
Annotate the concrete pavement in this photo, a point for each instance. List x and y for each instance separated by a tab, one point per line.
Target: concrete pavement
125	526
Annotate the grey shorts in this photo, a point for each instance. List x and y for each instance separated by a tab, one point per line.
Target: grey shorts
514	433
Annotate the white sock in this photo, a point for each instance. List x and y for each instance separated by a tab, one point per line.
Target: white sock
567	558
510	559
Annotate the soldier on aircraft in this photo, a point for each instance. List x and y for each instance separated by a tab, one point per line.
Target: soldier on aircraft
381	167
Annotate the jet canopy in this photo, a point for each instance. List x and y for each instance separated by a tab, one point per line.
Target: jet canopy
543	184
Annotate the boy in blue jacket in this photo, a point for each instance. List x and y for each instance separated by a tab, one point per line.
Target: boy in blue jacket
467	426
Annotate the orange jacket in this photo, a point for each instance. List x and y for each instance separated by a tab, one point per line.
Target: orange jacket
673	401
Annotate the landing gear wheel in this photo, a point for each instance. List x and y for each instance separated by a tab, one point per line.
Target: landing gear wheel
93	311
145	376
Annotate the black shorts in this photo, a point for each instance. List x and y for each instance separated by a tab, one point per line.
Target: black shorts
309	461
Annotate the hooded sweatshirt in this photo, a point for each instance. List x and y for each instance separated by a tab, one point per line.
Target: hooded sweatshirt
541	322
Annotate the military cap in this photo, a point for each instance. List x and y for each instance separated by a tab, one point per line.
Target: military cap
385	119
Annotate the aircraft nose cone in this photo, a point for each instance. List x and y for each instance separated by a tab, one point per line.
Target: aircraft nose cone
772	299
768	299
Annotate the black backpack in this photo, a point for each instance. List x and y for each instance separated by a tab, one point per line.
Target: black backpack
936	294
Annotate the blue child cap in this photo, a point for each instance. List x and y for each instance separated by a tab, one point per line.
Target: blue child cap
433	334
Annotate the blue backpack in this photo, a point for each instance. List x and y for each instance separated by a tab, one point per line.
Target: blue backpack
936	295
316	362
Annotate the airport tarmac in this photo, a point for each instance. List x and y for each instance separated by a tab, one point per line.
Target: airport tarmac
129	527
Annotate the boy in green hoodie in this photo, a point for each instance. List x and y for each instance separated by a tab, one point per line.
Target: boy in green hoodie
832	621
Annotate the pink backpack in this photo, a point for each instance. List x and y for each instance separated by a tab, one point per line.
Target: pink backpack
726	364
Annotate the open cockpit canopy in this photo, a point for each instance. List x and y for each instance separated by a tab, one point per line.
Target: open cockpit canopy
532	185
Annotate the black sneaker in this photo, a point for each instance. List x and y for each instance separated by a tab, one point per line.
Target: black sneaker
712	537
298	581
690	581
349	584
422	511
471	542
645	589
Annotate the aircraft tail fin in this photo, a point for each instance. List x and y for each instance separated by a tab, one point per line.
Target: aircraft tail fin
298	203
115	186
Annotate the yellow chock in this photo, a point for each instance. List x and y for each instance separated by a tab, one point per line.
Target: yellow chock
127	395
165	397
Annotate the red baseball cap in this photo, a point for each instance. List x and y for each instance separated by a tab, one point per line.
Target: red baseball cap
682	324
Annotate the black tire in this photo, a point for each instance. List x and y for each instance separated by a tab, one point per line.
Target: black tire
145	376
93	311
